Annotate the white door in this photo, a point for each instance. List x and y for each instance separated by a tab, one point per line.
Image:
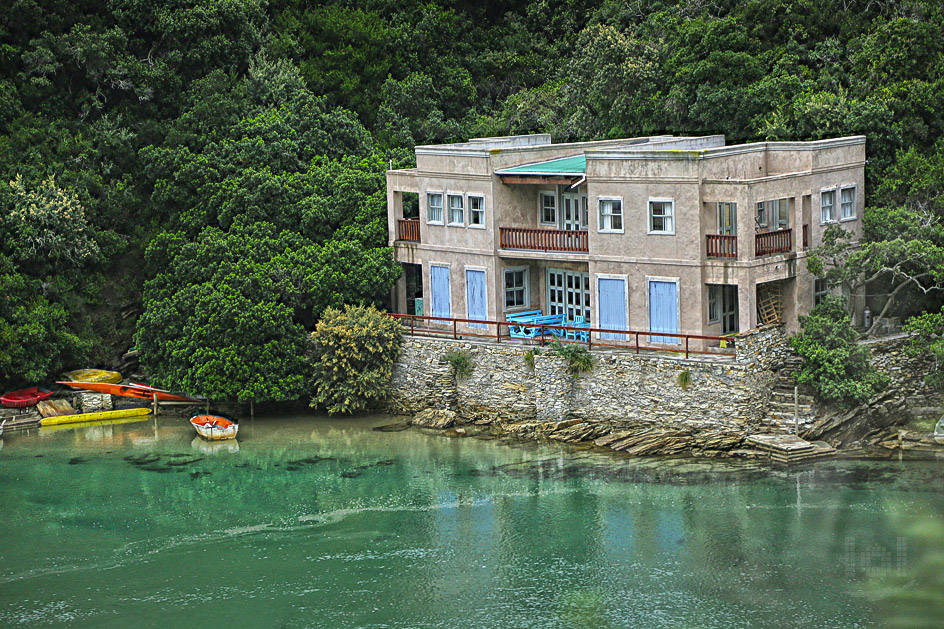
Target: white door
568	292
571	211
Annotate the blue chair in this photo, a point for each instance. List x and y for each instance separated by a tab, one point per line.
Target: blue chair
577	335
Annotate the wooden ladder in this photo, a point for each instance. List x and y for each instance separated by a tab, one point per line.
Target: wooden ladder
770	302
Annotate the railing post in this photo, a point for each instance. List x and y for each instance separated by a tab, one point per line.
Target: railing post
686	346
412	323
454	335
637	342
498	331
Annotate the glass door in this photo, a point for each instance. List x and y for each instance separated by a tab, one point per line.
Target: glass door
727	218
571	211
568	292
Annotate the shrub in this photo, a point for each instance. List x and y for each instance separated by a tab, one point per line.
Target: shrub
578	357
838	368
353	357
685	379
461	362
529	357
927	341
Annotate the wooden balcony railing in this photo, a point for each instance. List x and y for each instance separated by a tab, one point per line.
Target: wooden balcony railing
722	246
408	229
773	242
543	239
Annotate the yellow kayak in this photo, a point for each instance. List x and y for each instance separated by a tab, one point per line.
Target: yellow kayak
92	417
93	375
102	422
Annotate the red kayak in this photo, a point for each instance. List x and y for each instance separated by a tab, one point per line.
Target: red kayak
143	391
24	397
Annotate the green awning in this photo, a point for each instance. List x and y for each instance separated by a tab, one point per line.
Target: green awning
575	165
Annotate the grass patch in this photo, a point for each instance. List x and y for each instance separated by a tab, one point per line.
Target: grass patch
578	357
461	361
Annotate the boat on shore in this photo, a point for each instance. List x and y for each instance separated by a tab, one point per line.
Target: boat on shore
214	427
24	397
93	375
91	417
141	391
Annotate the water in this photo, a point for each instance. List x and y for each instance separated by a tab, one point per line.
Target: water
327	523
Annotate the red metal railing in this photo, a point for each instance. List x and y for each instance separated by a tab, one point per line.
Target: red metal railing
773	242
806	236
722	246
408	229
636	340
543	239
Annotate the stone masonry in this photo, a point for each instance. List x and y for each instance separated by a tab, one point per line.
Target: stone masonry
623	392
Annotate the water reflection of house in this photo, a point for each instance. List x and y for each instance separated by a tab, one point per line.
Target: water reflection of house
671	234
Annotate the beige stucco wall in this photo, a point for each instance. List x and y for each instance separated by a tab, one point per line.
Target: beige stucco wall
695	180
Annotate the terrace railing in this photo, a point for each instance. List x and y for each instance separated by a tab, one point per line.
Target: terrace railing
631	340
779	241
722	246
543	239
408	229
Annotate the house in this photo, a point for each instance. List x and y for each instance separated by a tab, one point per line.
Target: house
664	234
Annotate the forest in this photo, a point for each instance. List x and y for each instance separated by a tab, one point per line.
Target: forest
202	179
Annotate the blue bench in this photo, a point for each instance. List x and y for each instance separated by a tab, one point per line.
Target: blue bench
575	335
525	325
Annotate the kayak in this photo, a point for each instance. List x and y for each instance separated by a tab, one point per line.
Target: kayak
142	391
91	417
93	375
214	427
24	397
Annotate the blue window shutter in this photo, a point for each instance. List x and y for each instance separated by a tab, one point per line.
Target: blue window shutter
439	289
612	306
663	311
475	296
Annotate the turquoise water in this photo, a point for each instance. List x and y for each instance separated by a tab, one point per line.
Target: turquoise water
328	523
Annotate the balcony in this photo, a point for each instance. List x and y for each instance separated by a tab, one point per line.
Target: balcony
408	229
543	239
779	241
722	246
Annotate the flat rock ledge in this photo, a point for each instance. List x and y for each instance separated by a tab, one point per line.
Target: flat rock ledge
435	418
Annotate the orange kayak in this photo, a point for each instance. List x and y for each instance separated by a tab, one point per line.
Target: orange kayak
143	391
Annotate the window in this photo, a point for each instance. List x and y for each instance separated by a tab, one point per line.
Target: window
434	207
820	290
827	206
476	211
456	212
847	203
661	216
583	212
714	303
548	208
516	287
775	213
611	215
727	218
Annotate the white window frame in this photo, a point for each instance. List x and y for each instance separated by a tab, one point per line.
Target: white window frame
449	208
762	219
842	216
584	212
833	215
600	216
526	279
714	299
481	211
671	216
442	208
819	295
543	194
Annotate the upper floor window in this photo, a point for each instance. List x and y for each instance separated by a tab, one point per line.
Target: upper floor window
774	213
827	206
476	211
611	215
456	211
584	213
661	216
548	208
847	203
434	207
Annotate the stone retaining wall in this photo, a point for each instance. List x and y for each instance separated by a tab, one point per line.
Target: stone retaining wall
623	390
